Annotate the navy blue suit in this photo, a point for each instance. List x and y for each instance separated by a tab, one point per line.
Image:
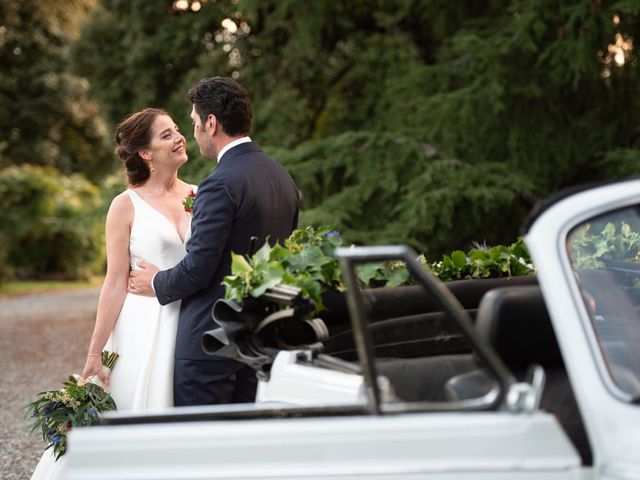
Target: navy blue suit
248	194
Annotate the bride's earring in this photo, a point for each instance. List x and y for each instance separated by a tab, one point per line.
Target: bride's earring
151	167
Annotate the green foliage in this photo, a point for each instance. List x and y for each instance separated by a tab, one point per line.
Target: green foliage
49	222
494	262
307	261
6	271
431	123
391	273
589	249
45	111
109	187
406	194
482	262
138	54
620	163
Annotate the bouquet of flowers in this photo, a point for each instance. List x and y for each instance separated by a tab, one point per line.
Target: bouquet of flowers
78	403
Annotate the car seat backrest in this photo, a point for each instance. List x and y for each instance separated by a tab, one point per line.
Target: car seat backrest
515	321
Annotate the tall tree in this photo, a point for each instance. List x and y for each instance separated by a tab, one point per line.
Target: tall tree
138	53
400	120
45	110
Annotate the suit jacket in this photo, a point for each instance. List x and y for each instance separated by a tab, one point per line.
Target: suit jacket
248	194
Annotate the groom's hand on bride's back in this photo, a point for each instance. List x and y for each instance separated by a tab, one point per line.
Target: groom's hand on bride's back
141	278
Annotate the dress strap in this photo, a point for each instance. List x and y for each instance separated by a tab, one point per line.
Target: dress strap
135	198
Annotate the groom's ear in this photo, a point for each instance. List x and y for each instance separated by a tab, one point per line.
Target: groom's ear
212	123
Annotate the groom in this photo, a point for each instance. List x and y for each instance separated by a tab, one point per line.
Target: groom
248	194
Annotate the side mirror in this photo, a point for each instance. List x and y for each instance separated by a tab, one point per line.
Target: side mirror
526	396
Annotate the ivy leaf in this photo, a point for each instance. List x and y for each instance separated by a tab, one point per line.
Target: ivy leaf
306	260
367	272
271	277
459	259
263	254
279	253
239	264
399	276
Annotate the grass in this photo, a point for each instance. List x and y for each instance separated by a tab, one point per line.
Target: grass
42	286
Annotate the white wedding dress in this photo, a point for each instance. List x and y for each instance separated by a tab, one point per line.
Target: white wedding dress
145	333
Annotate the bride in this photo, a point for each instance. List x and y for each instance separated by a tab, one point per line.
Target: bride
146	222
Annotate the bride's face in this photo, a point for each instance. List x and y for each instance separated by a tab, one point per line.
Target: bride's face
167	146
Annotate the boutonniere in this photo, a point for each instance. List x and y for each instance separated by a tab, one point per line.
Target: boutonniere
188	201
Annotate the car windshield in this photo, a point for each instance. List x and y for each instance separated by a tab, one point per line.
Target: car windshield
605	255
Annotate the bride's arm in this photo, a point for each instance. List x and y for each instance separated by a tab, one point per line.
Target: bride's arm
114	289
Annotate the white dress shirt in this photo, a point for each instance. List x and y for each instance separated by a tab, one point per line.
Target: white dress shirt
230	145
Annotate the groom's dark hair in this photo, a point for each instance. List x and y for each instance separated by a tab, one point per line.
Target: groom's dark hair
227	100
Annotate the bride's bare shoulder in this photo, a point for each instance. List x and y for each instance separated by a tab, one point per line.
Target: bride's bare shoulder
121	205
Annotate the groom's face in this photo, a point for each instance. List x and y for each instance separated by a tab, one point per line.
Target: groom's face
202	136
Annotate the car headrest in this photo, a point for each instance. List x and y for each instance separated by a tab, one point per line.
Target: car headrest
515	321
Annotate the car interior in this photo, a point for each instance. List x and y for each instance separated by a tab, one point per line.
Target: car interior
426	359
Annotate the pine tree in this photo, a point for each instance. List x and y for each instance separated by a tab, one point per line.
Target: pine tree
429	122
45	110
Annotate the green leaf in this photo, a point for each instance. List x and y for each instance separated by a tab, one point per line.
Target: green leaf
279	253
263	254
239	264
367	272
399	276
459	259
271	277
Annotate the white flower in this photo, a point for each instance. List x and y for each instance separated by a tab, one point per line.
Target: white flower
79	380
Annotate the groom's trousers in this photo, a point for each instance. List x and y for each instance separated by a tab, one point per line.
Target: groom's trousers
213	381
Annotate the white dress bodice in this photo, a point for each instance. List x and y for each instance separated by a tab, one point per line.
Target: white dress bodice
153	237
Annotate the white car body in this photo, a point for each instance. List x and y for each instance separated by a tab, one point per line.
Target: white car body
316	423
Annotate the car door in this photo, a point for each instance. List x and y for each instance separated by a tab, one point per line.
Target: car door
585	250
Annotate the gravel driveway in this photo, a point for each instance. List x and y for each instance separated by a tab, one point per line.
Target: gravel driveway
43	339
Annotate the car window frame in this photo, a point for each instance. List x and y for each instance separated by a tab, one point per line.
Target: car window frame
348	258
586	318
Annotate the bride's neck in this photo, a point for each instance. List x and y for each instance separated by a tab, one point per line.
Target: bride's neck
160	184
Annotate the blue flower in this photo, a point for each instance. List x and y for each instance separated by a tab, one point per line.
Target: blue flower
92	411
333	233
56	439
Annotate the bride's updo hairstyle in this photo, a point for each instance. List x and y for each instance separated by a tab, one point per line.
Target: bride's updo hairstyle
132	135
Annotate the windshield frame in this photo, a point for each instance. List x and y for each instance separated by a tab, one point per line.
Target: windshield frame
574	221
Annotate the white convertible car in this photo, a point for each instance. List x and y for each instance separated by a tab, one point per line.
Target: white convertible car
527	378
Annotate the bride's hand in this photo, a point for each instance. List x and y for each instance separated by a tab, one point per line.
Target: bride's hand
94	367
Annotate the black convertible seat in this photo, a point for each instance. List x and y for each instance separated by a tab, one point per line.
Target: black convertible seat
413	336
516	323
386	303
406	321
423	379
418	346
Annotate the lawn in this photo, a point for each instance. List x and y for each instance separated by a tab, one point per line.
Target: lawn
39	286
